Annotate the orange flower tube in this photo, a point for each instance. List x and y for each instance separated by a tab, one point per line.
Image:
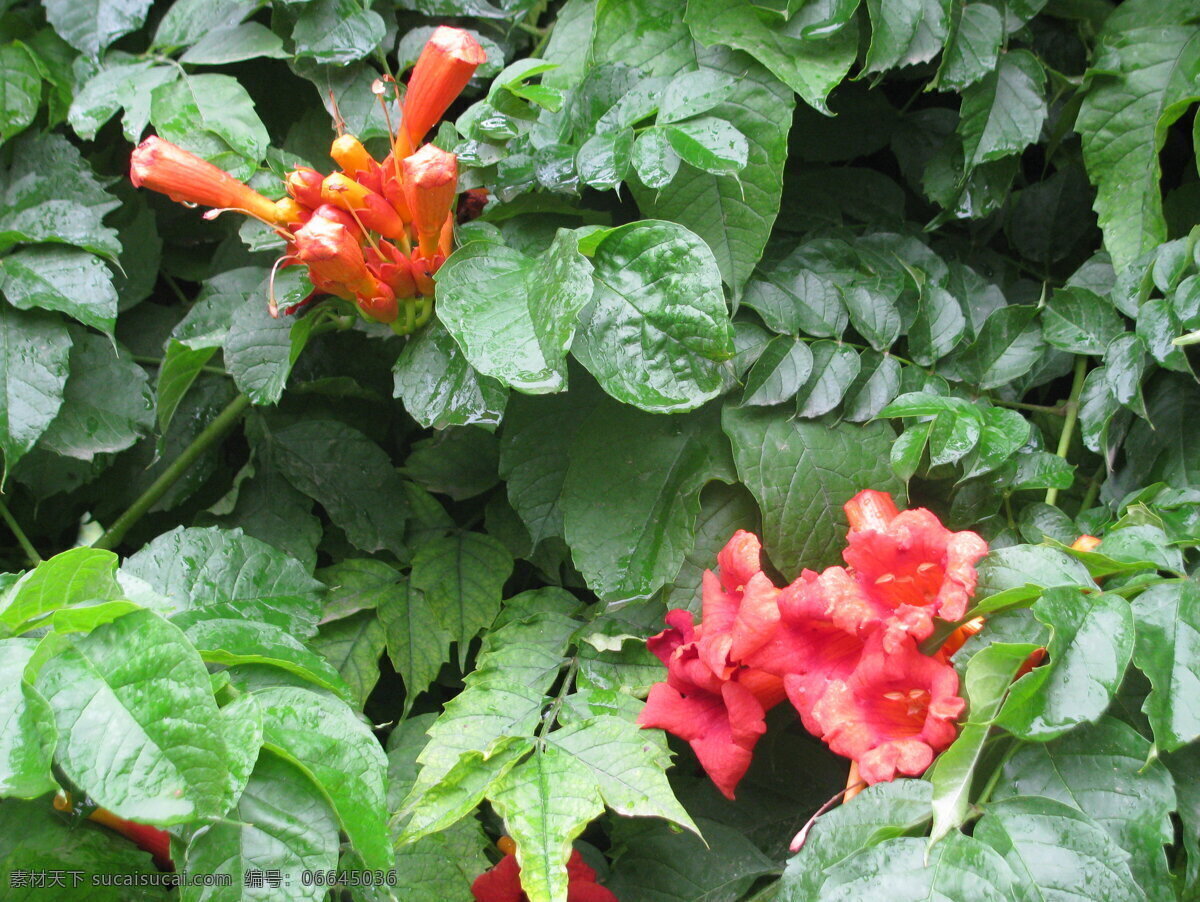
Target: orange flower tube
430	183
333	254
185	178
445	65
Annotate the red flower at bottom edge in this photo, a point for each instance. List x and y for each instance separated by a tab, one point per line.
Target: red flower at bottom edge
502	883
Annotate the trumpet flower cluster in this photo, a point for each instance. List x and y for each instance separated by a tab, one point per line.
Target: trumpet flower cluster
373	232
840	645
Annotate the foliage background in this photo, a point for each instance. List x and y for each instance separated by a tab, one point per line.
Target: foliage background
746	258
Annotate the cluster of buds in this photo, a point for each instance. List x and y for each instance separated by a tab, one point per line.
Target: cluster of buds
373	232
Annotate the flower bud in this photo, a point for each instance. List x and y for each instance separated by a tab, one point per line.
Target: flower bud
185	178
430	183
333	255
304	184
372	210
446	64
348	152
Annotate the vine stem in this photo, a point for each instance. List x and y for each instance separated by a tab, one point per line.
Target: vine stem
22	539
213	433
1072	405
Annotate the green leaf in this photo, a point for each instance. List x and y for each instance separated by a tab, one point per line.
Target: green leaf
734	217
628	770
1003	113
106	404
462	577
709	144
724	509
973	47
357	584
1056	850
604	159
959	867
326	740
1003	433
91	25
656	861
125	85
883	811
657	325
474	721
654	160
235	43
211	116
34	350
908	449
986	682
1105	771
629	534
281	822
337	31
417	644
835	367
226	570
793	298
180	367
353	645
261	349
51	195
534	444
811	65
905	32
221	640
1168	652
782	368
188	21
1008	346
139	680
873	314
20	89
1091	642
80	576
1124	369
514	317
364	496
938	326
268	508
1080	321
801	473
440	388
529	650
689	94
546	801
1143	78
30	735
35	837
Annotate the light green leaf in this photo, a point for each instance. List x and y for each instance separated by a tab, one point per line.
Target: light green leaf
180	367
260	349
959	867
327	741
227	571
546	801
135	710
20	88
235	43
835	367
125	85
211	116
281	822
905	32
80	576
783	367
973	48
1080	321
30	735
709	144
65	279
